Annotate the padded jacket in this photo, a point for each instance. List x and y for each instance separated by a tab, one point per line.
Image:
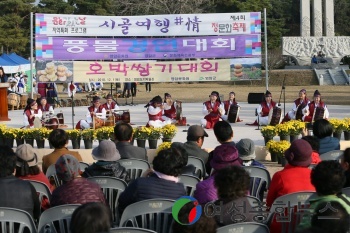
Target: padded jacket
103	168
77	191
144	188
328	144
19	194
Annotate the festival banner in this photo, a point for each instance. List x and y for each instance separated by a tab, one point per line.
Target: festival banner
69	48
152	71
148	25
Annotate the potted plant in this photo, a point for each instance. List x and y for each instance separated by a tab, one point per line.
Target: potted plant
284	130
268	132
9	135
339	125
277	149
297	127
19	136
2	130
75	136
168	132
28	135
163	146
347	129
40	135
103	133
88	136
141	134
153	136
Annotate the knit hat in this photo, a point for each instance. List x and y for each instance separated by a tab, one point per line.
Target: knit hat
268	94
299	153
106	151
67	167
225	155
317	93
95	99
246	149
26	156
196	131
303	91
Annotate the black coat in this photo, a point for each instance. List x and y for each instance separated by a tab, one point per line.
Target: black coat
128	151
102	168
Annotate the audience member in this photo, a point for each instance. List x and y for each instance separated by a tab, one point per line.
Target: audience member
224	135
323	130
91	217
195	140
107	164
58	138
232	184
203	224
223	156
16	193
246	151
328	178
74	190
27	169
294	177
163	182
188	169
123	134
315	145
345	163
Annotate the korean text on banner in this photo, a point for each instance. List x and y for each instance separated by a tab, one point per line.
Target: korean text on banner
143	71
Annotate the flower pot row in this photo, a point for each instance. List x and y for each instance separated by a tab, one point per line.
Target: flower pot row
152	143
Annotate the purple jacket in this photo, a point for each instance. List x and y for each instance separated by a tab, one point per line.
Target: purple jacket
205	191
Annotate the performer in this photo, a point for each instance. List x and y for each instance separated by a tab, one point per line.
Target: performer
51	90
21	85
170	108
299	103
41	89
227	103
213	109
264	109
155	112
32	114
3	76
96	107
72	89
45	107
308	111
110	105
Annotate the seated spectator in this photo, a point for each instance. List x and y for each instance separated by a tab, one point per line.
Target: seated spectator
163	182
328	178
224	135
246	151
294	177
188	169
345	163
16	193
323	130
203	224
123	135
27	169
74	190
195	140
91	217
58	138
107	164
223	156
314	59
232	184
314	143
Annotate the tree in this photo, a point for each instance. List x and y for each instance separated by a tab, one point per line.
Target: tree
55	7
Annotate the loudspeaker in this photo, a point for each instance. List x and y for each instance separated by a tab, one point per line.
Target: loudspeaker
255	98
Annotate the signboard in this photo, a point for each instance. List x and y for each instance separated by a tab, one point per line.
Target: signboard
64	48
143	71
148	25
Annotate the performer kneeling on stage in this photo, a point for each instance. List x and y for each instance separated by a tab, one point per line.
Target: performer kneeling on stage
213	109
32	114
155	112
298	105
227	103
264	109
110	105
170	108
92	110
45	107
309	110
